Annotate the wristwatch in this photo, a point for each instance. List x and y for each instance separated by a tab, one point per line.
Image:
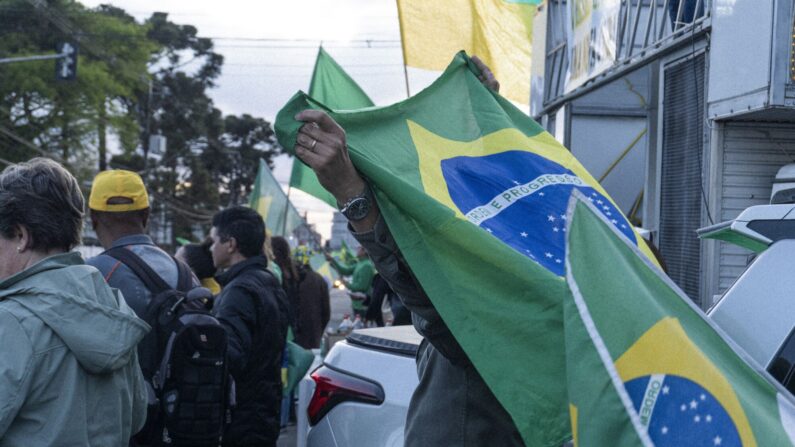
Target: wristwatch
357	207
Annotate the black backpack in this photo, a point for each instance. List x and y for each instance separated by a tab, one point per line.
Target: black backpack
183	359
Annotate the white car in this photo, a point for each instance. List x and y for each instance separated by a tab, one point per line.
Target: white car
359	396
758	311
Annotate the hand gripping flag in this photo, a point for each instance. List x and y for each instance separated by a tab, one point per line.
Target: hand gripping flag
645	366
475	194
332	86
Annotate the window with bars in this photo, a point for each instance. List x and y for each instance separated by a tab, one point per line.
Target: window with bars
681	189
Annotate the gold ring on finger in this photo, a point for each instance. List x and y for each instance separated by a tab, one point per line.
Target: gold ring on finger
312	147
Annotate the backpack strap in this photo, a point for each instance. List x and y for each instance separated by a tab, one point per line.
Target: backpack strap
146	274
184	276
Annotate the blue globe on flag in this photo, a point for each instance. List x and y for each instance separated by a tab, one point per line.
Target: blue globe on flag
677	411
521	198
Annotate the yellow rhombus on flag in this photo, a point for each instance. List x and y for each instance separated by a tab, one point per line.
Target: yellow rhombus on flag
498	31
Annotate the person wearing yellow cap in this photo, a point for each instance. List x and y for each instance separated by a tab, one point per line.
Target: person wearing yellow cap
119	211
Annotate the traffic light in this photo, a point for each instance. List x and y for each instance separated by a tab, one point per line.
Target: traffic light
66	66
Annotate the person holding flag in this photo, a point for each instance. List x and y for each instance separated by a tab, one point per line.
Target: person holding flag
362	272
448	382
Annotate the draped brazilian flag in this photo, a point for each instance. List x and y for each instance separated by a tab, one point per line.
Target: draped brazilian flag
332	86
270	201
645	366
475	193
500	32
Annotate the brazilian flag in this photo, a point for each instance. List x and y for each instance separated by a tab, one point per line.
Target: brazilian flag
645	366
475	193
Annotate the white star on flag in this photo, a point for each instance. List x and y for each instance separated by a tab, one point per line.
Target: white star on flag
693	404
541	194
556	229
551	218
548	254
717	440
664	430
599	202
666	389
516	183
614	221
523	234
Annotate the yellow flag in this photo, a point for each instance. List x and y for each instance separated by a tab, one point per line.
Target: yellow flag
500	32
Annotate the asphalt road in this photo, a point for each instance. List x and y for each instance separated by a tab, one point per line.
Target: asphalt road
340	305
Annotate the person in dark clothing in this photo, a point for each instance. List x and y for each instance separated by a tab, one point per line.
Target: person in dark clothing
309	298
252	308
290	279
200	260
401	316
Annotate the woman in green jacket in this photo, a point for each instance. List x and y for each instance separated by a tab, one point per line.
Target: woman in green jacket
69	373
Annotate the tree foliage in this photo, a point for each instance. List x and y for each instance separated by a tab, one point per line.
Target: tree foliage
135	79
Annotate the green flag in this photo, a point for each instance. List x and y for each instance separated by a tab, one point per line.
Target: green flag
270	201
475	193
336	89
646	366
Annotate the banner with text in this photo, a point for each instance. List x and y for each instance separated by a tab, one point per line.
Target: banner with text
592	39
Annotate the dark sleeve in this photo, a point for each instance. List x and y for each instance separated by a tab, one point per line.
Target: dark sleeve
382	249
235	311
325	302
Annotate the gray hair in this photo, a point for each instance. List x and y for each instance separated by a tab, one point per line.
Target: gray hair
44	198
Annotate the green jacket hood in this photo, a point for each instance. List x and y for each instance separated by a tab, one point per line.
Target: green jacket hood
73	300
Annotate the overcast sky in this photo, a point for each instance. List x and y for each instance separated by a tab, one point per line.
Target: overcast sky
269	49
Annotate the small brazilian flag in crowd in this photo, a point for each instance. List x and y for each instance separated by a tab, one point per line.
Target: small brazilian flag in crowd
476	195
647	367
270	201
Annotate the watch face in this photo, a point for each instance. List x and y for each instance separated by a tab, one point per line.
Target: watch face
357	209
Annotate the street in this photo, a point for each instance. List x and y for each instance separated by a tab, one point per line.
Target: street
340	305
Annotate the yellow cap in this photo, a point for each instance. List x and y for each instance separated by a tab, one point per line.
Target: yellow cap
118	184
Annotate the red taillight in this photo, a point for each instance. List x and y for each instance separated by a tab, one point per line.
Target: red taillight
333	387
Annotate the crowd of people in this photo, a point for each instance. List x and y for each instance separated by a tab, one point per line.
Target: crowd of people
87	341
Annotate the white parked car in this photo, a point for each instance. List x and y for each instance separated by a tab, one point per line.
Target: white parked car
758	310
359	396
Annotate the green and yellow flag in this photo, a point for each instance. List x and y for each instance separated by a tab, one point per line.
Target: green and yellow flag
332	86
500	32
475	193
646	367
270	201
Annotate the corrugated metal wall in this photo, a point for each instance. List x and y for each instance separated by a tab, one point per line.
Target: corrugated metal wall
681	200
752	154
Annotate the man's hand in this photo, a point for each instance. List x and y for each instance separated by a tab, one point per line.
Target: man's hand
321	145
486	76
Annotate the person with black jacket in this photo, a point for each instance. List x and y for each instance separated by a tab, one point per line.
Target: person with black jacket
252	307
